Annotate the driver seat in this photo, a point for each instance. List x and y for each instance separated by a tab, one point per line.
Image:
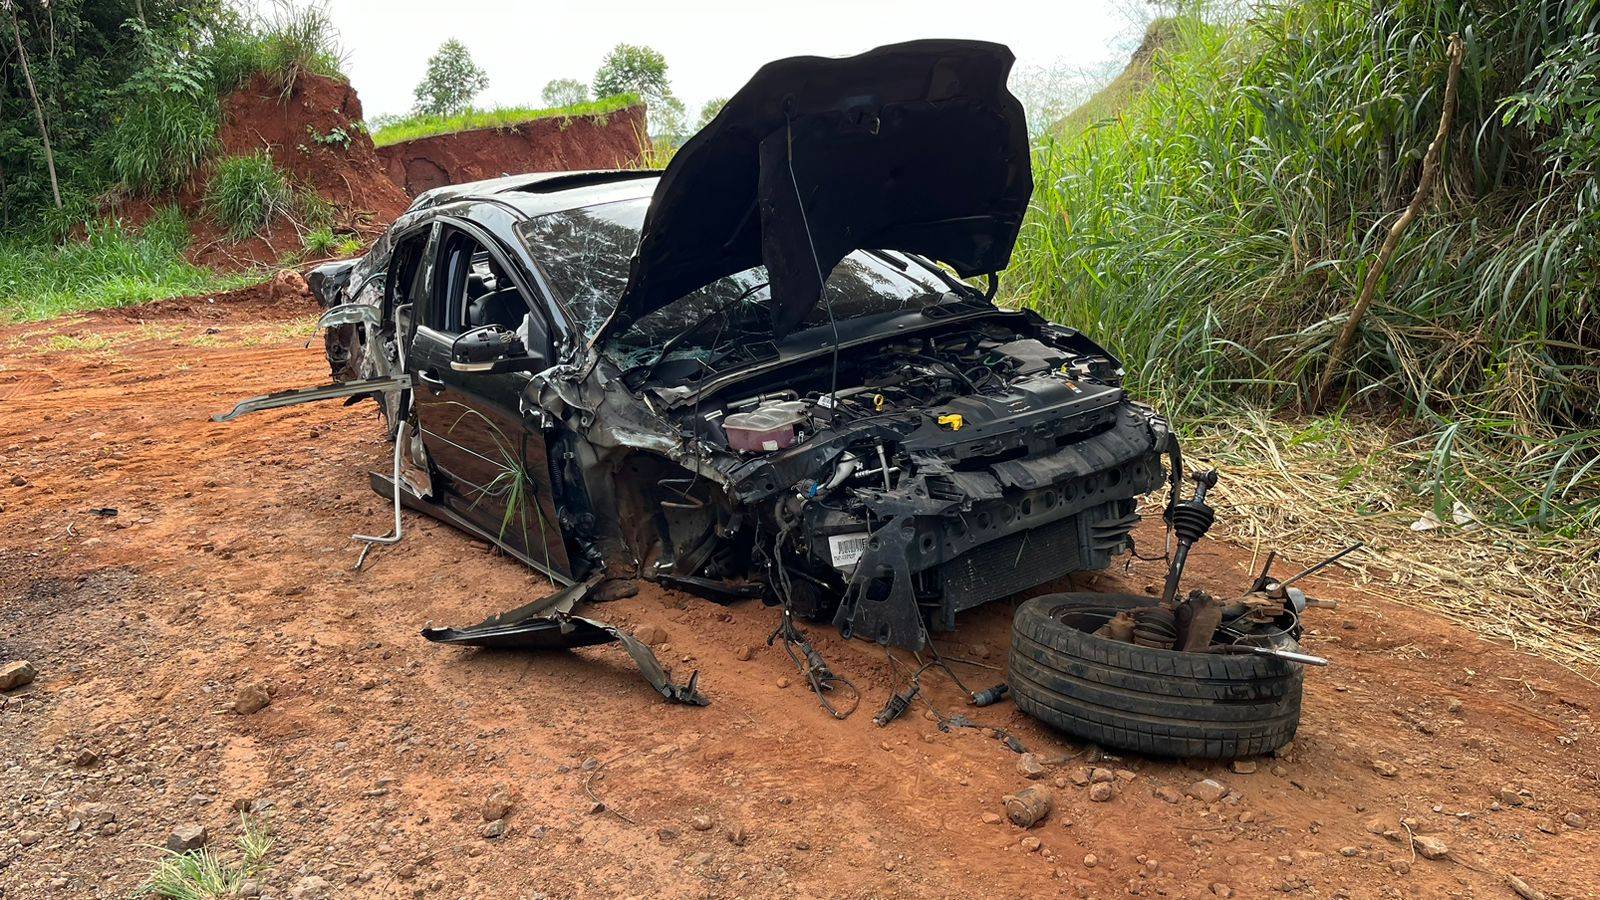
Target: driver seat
503	307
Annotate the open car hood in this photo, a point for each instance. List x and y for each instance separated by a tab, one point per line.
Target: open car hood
915	147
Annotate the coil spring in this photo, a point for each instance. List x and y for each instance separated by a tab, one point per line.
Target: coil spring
1155	627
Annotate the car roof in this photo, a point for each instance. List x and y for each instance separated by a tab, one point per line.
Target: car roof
540	193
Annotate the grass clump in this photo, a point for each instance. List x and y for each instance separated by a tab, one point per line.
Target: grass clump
245	193
387	131
112	265
204	874
290	42
168	121
323	241
1214	230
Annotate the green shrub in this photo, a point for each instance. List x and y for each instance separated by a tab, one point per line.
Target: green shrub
168	119
319	242
206	874
245	193
325	242
167	228
292	41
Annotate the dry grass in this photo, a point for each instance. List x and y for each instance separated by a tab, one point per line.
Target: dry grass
1307	488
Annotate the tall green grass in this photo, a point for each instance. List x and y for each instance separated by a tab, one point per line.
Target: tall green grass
1215	229
419	125
172	104
245	193
112	265
289	42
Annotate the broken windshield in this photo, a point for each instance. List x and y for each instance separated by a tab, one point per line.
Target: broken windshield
584	253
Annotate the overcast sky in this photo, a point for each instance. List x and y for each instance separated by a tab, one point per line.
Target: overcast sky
712	46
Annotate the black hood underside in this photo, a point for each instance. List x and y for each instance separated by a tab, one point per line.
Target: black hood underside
915	147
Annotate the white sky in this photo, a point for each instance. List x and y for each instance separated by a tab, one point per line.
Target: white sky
711	46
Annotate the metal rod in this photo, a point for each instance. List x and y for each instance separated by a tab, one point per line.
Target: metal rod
394	536
1285	655
1324	564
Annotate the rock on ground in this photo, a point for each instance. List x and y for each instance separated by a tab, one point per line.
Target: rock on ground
189	836
1207	790
1430	846
16	674
251	699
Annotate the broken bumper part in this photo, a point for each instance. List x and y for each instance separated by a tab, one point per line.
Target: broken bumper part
548	624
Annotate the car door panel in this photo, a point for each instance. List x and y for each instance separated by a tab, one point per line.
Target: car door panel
494	469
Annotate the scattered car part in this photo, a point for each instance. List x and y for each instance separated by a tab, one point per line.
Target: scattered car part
549	624
1028	806
824	683
1161	702
1274	652
897	705
991	696
298	396
398	530
1284	591
1197	620
1191	519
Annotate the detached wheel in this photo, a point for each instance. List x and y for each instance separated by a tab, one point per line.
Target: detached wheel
1159	702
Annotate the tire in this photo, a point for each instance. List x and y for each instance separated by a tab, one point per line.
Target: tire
1157	702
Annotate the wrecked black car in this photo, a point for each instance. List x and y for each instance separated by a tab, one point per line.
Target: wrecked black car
774	369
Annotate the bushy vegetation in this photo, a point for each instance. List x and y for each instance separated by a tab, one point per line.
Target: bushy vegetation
112	265
130	91
290	42
387	131
1215	229
130	94
323	242
245	193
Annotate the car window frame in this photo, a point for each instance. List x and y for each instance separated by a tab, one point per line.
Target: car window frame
507	263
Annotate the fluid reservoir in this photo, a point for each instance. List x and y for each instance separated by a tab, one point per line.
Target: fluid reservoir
766	428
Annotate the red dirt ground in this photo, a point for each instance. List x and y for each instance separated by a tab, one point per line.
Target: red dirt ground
612	141
228	564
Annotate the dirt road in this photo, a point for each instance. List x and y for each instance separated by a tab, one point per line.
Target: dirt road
228	565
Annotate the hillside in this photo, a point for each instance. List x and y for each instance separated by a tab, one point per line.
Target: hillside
1120	91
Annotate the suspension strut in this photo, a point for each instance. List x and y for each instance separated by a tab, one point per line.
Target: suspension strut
1191	519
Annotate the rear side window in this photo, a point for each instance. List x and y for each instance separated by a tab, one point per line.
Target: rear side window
407	277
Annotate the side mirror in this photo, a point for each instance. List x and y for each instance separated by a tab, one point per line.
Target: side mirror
492	350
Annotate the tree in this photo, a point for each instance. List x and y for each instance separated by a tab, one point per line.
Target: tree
671	121
451	82
38	108
565	92
630	68
710	109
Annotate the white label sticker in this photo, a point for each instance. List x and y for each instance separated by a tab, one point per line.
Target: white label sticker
847	549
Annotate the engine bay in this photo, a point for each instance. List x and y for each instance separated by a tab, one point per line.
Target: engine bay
913	478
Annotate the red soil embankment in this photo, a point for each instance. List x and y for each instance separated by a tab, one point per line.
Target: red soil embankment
612	141
314	136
